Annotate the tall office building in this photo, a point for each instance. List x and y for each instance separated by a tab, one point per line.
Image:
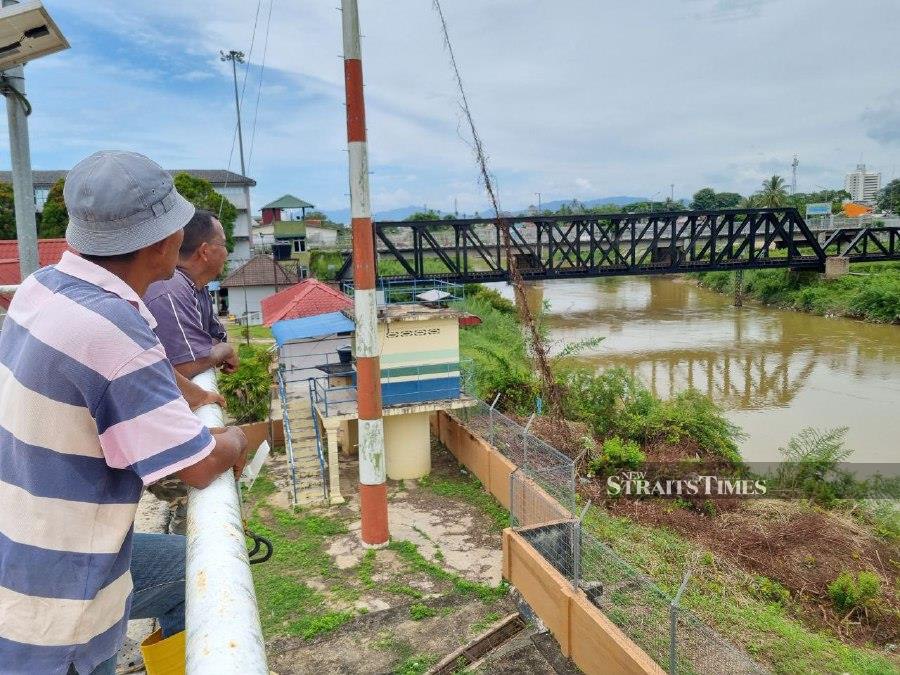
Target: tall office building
862	185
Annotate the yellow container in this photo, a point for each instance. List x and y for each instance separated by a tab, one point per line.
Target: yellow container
164	656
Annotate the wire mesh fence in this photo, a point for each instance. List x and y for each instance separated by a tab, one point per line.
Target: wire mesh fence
543	511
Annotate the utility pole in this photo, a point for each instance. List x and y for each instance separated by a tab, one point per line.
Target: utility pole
372	477
672	193
794	166
17	111
539	202
237	57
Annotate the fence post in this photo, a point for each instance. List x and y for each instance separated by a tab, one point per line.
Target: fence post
491	416
576	547
525	442
673	625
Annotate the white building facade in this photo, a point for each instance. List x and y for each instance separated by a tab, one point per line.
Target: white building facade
863	185
233	186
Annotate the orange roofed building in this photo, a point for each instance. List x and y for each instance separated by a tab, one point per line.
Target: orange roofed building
49	253
308	298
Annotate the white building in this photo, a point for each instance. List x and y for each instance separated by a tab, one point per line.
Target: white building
862	185
228	183
249	284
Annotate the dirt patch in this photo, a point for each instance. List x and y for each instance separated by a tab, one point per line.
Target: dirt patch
802	548
388	641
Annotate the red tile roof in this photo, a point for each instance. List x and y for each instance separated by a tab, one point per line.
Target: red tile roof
308	298
49	253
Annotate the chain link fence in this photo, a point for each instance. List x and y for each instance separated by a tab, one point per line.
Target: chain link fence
543	510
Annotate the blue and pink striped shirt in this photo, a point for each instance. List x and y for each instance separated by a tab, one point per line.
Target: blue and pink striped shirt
89	414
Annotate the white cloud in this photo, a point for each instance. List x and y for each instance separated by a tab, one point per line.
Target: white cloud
583	98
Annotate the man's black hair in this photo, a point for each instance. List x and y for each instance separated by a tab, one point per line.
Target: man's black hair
198	230
100	259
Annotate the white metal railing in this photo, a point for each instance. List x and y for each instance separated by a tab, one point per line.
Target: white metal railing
222	621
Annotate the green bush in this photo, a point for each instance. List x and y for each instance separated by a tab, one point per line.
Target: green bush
247	390
500	360
491	296
878	302
769	590
617	454
325	265
615	403
853	594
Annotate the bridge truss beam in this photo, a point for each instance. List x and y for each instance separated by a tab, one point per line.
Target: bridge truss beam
596	245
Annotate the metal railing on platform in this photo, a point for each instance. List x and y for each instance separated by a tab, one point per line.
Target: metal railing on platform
391	292
224	634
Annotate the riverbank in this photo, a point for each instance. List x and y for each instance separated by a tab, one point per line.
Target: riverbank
870	292
774	577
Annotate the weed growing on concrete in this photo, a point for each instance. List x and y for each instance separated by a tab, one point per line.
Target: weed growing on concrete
418	611
409	552
470	490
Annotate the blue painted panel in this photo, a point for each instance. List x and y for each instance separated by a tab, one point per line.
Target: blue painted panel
419	391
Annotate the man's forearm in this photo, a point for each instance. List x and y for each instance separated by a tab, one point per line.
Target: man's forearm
191	369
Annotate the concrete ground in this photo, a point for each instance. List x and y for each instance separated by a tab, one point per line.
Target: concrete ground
444	517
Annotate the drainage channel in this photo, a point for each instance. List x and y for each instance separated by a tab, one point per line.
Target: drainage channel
485	643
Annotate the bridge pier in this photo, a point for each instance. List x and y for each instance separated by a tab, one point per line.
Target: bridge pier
836	266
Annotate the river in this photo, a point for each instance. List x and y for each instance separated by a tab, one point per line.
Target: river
772	371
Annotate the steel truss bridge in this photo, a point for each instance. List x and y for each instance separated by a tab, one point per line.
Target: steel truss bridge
597	245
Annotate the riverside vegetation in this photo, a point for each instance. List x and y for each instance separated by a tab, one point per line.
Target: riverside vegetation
804	585
871	292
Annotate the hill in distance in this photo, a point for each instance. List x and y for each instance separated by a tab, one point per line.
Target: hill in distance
343	215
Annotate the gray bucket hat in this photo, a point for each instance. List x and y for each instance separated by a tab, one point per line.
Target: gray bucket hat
120	202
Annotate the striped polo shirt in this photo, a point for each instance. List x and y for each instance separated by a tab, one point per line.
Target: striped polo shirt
89	414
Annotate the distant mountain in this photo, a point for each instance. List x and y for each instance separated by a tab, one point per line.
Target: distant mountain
343	215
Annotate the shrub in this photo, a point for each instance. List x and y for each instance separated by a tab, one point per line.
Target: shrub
617	454
811	465
491	296
879	301
247	390
769	590
851	594
324	265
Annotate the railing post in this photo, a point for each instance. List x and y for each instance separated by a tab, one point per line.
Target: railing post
221	618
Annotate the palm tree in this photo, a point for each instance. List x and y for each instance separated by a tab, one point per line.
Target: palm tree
773	193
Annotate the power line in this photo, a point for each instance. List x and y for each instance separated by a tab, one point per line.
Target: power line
262	70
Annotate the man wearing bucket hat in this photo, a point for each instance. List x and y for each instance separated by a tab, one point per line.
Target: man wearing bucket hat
89	414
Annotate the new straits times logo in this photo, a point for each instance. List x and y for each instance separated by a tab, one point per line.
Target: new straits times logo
637	484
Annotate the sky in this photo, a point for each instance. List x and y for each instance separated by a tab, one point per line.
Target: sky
572	98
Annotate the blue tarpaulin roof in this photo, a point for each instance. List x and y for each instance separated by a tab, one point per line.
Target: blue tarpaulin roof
311	327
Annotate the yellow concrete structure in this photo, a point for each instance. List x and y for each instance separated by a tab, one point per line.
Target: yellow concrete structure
407	444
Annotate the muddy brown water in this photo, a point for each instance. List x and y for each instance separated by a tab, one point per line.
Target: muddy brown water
773	371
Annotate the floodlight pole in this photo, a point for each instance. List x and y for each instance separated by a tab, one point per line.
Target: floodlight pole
237	57
372	470
20	159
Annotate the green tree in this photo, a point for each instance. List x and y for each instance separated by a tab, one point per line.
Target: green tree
430	214
7	212
54	217
203	195
728	200
773	193
889	197
704	199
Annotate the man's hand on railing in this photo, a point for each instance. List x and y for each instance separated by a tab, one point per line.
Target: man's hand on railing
230	452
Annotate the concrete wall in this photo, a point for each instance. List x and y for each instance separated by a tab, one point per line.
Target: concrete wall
584	633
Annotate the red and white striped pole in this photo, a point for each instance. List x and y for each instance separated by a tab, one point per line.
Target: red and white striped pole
372	486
